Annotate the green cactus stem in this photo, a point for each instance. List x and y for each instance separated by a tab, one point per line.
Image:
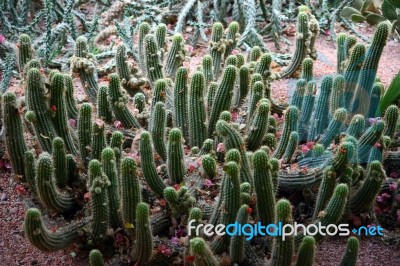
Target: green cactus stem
152	58
341	51
391	118
47	240
121	64
209	165
306	252
259	126
130	192
212	90
352	72
140	101
344	156
376	93
203	256
284	248
244	82
325	191
70	100
351	255
180	201
245	190
60	162
61	202
207	65
231	61
144	237
30	171
195	214
197	111
175	160
176	55
231	202
254	54
291	117
36	100
298	95
291	147
96	258
357	126
158	132
103	106
223	97
148	165
59	112
85	126
84	64
117	139
217	47
306	111
144	29
236	249
362	200
302	38
307	69
207	148
109	165
14	134
368	140
257	94
351	41
118	103
25	51
161	32
334	127
98	139
336	100
180	100
264	66
232	37
270	140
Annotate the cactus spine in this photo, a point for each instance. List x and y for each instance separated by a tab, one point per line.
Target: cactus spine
180	100
96	258
103	107
307	71
351	255
217	47
85	126
158	130
197	111
152	58
259	126
144	238
176	56
175	160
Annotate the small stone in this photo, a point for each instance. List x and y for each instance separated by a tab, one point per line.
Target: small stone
3	197
13	210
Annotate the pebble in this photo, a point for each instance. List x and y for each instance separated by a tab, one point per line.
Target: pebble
13	210
3	197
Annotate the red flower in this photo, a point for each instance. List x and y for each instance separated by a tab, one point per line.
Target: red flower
163	249
20	189
249	210
190	258
86	197
53	108
342	150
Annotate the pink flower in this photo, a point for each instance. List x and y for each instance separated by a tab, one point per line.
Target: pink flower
393	187
164	250
208	183
2	38
394	175
386	196
72	122
220	147
192	166
304	148
379	199
175	240
118	124
235	51
310	144
377	145
234	116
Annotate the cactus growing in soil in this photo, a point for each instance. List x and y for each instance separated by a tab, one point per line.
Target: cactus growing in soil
103	106
144	242
176	56
306	252
217	47
197	111
202	253
259	126
209	165
144	29
96	258
175	160
181	100
236	249
158	130
351	255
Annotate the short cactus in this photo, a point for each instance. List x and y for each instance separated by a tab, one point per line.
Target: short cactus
306	252
202	253
351	255
96	258
103	106
209	165
175	160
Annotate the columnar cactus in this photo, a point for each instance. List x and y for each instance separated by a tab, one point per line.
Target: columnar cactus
223	97
98	188
45	239
284	248
118	103
161	32
307	69
231	61
158	130
121	64
197	111
84	64
341	51
244	82
47	191
254	54
368	140
334	127
144	237
117	139
264	188
306	110
232	37
176	56
85	126
217	47
152	58
175	160
207	68
59	112
361	201
291	147
352	72
98	139
351	255
236	249
325	191
60	162
209	165
376	93
25	51
231	202
140	101
195	214
148	165
259	126
180	201
336	100
344	156
30	171
144	29
103	106
357	126
69	97
264	66
96	258
109	165
202	253
14	134
257	94
212	90
180	100
35	93
306	252
298	95
291	117
391	118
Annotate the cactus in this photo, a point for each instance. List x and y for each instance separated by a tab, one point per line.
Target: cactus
59	112
306	252
212	90
351	255
356	127
233	140
197	111
283	249
352	72
60	162
84	64
391	118
85	126
144	237
202	253
240	60
123	70
109	165
209	165
180	201
254	54
70	98
35	93
47	240
175	57
231	202
98	139
302	38
264	188
217	47
158	130
325	191
291	117
236	249
256	95
98	188
318	150
195	214
25	51
344	156
369	69
298	95
140	101
368	140
320	118
231	61
334	127
96	258
30	171
245	190
207	65
341	51
148	166
223	97
144	29
161	32
118	103
175	160
47	191
264	66
270	140
207	148
350	43
232	37
307	108
153	67
376	94
361	201
336	100
307	69
103	107
244	81
291	147
180	100
259	126
14	134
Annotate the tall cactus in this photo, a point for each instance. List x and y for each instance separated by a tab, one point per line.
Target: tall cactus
70	100
25	51
207	65
325	190
307	109
197	111
236	249
391	118
291	117
144	29
176	56
306	252
336	100
298	95
368	140
202	253
232	37
60	162
259	126
352	72
257	94
175	160
357	126
217	47
161	32
158	132
341	51
85	126
334	127
152	58
98	139
144	238
351	255
244	82
180	100
307	69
